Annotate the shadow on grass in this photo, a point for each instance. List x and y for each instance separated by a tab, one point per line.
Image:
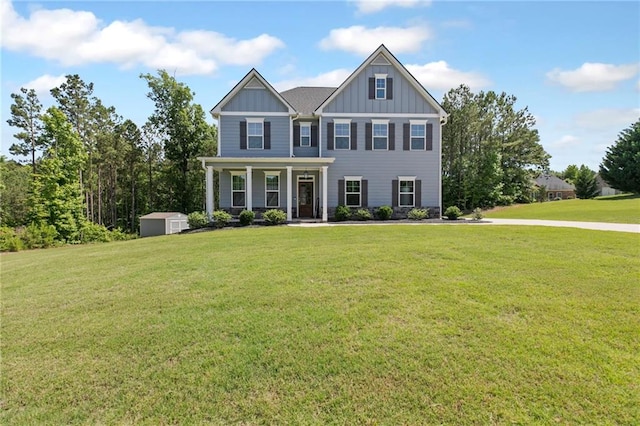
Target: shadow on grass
617	197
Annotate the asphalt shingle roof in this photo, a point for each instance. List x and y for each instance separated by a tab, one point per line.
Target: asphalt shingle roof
306	99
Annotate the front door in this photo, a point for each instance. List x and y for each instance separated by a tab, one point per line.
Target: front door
305	199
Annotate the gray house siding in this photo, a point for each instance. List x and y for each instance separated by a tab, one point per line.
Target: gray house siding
258	192
379	168
230	137
255	100
355	97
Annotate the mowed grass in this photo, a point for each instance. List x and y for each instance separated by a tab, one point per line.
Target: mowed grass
455	324
613	209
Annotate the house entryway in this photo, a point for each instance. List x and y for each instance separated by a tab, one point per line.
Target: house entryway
305	199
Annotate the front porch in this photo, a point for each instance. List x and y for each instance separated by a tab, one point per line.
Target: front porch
295	185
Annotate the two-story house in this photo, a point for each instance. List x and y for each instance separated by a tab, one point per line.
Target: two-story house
375	140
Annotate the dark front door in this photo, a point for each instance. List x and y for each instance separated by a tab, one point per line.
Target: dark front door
305	199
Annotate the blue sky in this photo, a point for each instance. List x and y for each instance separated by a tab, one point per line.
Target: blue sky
575	65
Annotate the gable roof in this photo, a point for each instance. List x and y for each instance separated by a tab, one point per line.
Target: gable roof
251	77
386	54
306	99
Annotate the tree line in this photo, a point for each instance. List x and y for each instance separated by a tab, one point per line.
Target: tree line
88	166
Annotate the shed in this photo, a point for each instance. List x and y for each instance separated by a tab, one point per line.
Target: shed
162	223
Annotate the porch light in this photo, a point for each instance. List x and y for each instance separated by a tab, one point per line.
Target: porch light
306	174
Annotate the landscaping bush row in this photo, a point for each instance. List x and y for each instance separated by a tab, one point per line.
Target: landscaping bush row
221	218
343	213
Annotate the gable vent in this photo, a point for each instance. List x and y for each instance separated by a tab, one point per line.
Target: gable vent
380	60
254	83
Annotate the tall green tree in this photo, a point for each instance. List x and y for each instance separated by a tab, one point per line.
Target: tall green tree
14	187
26	111
620	166
55	196
184	132
490	150
570	174
585	183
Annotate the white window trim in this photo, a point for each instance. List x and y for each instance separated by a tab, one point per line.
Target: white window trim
235	173
424	138
351	178
266	191
255	120
306	125
407	178
375	83
373	137
335	135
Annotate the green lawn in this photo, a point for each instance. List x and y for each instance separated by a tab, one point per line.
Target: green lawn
614	209
450	324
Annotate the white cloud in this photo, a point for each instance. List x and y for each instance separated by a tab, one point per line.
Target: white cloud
566	141
363	41
329	79
593	77
372	6
607	118
43	84
77	37
439	76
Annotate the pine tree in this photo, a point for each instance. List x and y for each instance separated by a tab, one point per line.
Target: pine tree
620	166
26	116
585	183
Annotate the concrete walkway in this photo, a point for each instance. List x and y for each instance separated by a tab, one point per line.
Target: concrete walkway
598	226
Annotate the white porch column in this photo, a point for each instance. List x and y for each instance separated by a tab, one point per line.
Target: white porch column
210	205
324	194
249	188
289	192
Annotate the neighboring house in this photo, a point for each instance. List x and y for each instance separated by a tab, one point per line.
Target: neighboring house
373	141
556	188
604	187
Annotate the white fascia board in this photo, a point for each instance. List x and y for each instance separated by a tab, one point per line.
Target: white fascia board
379	115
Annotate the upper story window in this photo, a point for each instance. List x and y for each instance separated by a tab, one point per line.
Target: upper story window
342	134
305	134
255	133
380	134
418	135
381	86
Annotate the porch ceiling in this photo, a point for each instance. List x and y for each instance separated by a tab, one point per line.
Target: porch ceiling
266	162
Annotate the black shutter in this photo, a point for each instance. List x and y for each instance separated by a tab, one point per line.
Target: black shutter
368	136
341	192
392	136
418	193
296	135
267	135
429	137
314	135
372	88
394	193
243	135
389	88
406	136
364	193
329	135
354	136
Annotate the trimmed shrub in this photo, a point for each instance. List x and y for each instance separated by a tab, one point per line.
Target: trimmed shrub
246	217
384	212
477	214
221	218
274	217
39	236
197	220
94	233
342	213
452	213
362	214
418	214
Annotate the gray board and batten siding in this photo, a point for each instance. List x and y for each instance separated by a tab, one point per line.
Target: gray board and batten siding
355	97
255	100
232	143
